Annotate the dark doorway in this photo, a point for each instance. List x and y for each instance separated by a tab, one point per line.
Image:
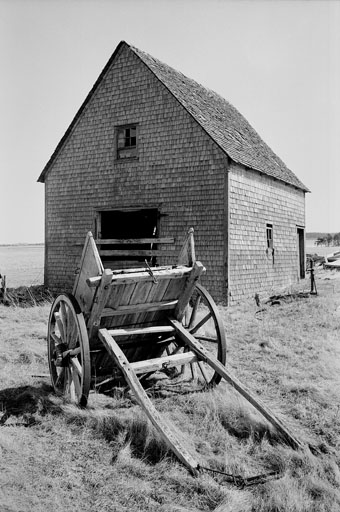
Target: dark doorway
301	252
128	225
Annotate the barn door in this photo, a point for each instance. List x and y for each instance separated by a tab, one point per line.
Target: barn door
301	252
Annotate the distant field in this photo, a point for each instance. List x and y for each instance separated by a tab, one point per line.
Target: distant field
311	248
23	265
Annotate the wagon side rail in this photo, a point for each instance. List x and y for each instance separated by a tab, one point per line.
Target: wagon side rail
90	266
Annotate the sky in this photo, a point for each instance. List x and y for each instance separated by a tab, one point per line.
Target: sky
276	61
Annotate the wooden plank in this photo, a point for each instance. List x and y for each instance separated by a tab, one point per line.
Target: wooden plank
160	329
99	304
139	269
127	241
143	253
184	298
221	370
122	299
90	266
156	294
159	363
162	426
143	275
139	308
187	253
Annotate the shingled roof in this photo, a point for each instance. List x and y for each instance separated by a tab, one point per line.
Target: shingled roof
221	121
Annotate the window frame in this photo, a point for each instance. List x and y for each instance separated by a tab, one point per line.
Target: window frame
269	239
126	152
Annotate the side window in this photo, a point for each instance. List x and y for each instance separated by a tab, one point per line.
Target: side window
126	140
269	230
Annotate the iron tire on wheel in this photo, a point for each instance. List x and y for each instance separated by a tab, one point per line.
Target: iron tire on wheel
69	350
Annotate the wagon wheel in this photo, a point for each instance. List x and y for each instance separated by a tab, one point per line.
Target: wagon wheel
203	321
68	350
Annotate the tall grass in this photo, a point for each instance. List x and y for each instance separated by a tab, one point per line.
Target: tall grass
108	457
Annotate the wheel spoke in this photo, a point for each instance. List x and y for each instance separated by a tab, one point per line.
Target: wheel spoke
203	372
55	338
72	335
194	312
200	323
77	385
193	370
60	377
60	327
206	338
76	366
63	318
71	385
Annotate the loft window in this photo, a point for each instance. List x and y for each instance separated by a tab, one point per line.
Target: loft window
269	230
126	141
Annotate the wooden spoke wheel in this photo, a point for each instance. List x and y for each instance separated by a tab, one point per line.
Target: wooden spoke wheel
68	350
203	321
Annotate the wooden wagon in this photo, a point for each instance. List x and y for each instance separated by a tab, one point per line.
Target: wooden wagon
127	324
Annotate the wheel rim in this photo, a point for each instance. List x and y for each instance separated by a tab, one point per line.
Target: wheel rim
67	334
203	321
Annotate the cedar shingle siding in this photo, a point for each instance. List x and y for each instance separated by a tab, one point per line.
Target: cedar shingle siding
189	166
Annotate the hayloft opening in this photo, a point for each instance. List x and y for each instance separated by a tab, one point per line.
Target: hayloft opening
127	235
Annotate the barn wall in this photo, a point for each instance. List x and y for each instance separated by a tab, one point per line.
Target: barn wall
254	201
179	169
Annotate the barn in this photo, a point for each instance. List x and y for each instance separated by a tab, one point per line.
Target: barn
151	153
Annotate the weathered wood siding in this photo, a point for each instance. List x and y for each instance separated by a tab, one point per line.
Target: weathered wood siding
179	169
254	201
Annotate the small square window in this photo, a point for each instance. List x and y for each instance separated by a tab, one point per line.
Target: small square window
269	230
126	141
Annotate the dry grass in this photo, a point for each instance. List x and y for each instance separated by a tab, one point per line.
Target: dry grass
55	456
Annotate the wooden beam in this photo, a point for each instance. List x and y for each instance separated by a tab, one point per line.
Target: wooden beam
140	308
133	252
127	241
161	425
160	329
187	253
159	363
99	303
221	370
143	275
184	298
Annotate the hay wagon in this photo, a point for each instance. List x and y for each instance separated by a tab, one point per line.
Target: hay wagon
125	325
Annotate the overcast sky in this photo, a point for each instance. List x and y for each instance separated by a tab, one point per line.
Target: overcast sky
277	62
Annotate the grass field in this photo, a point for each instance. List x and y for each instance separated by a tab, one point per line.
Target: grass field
23	265
56	457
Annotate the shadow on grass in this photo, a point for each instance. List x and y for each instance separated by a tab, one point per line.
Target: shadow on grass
25	402
29	404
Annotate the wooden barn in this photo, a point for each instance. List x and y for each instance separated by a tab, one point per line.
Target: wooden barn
151	153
